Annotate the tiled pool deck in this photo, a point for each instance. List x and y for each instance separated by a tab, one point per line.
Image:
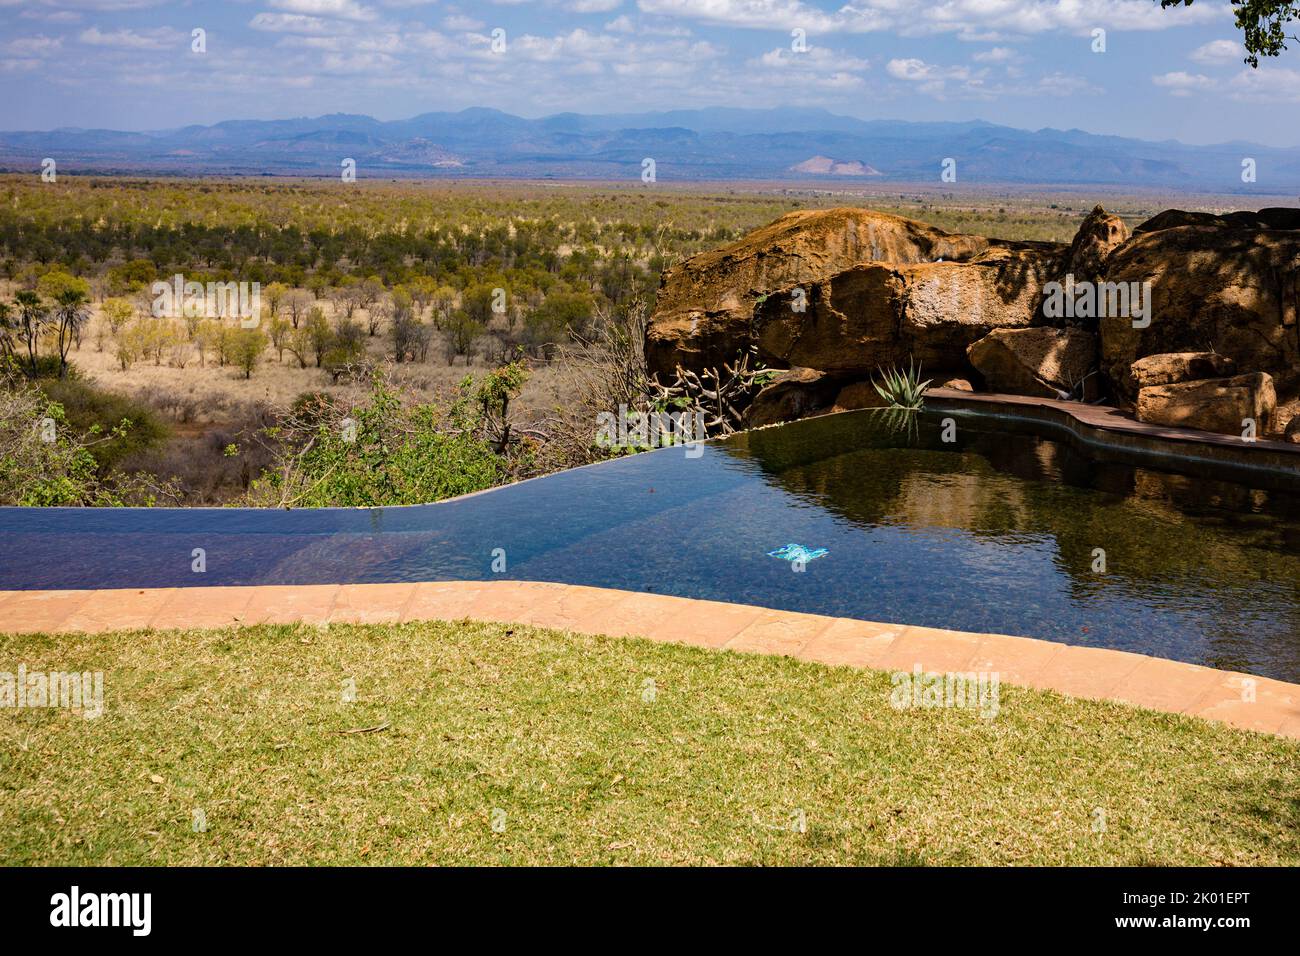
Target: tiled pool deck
1253	703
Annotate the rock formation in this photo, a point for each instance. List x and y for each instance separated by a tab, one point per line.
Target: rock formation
796	287
1191	305
793	394
1051	363
1099	236
1214	404
1170	368
1229	288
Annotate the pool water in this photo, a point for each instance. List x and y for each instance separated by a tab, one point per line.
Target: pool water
997	531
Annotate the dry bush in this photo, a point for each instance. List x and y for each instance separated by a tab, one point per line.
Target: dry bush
604	369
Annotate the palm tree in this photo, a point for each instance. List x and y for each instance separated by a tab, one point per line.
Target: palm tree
70	313
31	321
8	330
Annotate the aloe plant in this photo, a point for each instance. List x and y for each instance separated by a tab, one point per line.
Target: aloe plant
902	389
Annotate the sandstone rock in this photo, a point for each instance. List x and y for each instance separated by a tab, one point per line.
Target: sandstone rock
848	291
958	384
1230	289
1038	361
1214	404
857	395
1292	433
876	315
1275	217
793	394
820	260
1100	234
1169	368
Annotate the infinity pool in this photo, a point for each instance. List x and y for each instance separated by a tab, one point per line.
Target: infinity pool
996	531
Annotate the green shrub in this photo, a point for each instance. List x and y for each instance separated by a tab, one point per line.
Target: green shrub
383	452
46	460
126	426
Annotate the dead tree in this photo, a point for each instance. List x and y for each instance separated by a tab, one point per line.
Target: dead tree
722	395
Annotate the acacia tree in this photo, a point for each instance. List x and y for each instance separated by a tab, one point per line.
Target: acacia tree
274	294
117	313
319	334
296	302
462	330
249	344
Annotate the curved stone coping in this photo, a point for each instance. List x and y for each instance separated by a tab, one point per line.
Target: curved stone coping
1242	700
1112	429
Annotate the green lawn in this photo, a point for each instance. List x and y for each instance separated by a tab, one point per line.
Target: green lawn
517	745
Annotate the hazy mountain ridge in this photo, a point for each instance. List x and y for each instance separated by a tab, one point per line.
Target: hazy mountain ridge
721	143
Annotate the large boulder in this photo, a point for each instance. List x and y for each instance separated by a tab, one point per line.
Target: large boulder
1170	368
877	314
1213	405
1052	363
906	286
1100	234
855	395
1274	217
796	393
1221	287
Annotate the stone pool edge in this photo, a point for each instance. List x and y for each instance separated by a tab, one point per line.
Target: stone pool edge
1241	700
1110	429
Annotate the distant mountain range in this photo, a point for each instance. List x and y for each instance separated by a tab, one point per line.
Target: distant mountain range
707	144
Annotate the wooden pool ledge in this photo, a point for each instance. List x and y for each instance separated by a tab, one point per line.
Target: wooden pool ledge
1242	700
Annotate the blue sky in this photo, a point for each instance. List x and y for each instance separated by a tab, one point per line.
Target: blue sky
129	64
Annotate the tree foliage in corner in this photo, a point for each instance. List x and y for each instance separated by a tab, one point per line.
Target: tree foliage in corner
1263	24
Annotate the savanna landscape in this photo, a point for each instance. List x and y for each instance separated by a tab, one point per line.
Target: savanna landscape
394	278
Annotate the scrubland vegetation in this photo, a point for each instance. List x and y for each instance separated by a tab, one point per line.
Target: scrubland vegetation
460	335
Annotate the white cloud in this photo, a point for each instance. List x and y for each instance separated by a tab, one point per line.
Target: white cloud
40	45
948	82
998	54
94	6
593	6
1268	84
626	24
291	23
765	14
20	65
816	59
358	62
913	70
334	9
161	38
460	23
1181	83
1219	51
971	19
52	16
818	69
